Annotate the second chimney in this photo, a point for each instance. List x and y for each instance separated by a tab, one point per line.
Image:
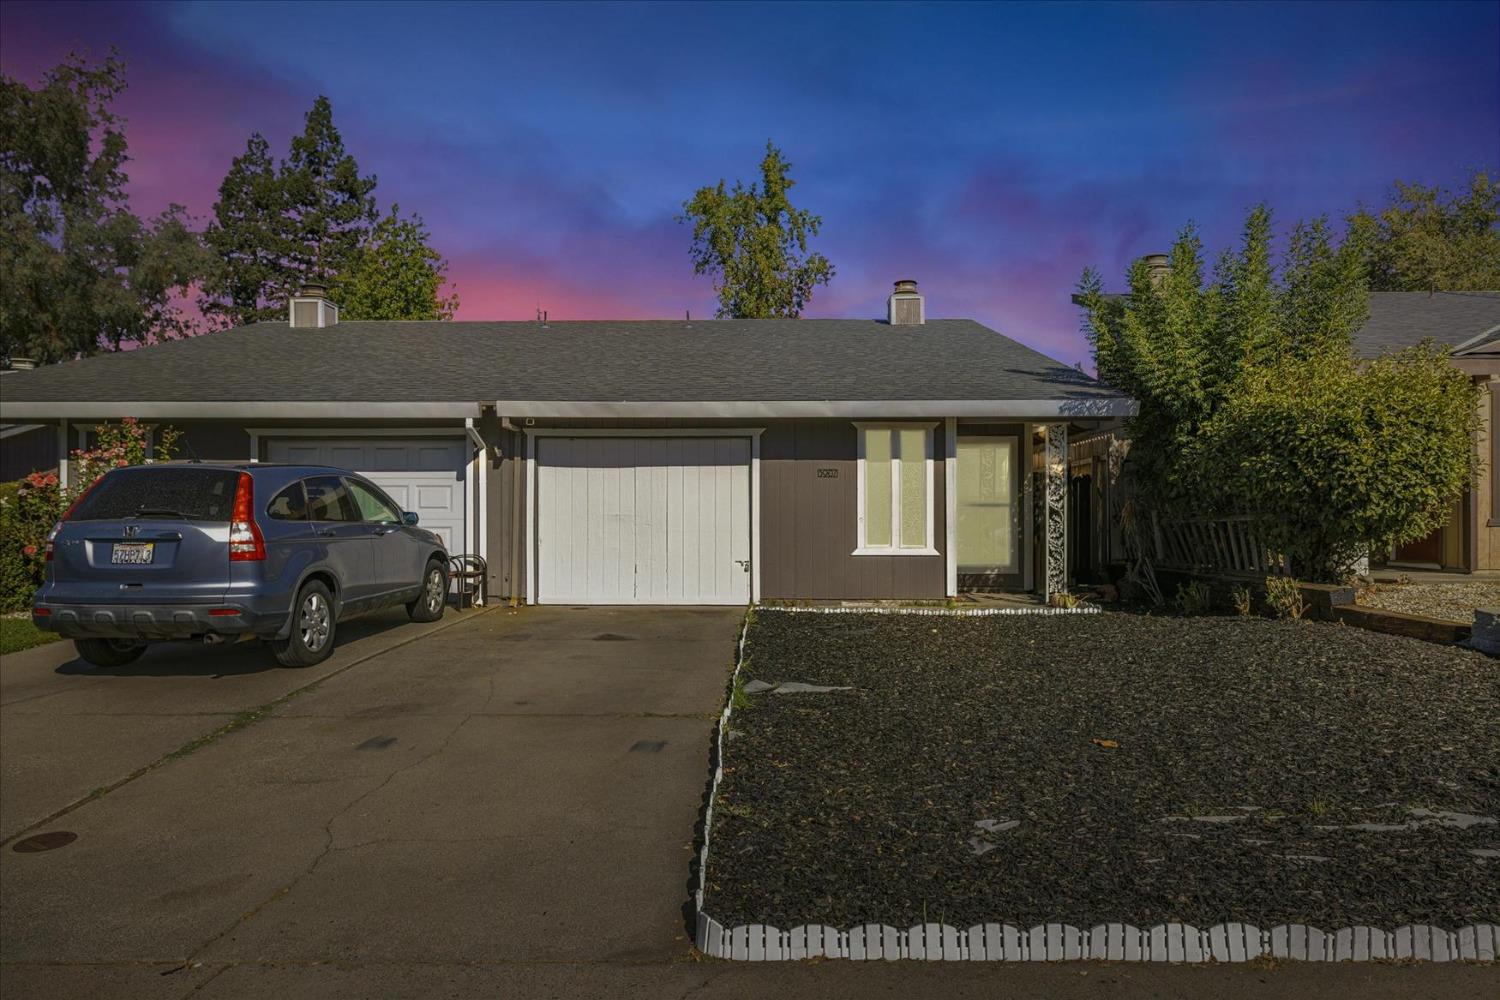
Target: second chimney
906	307
310	308
1159	265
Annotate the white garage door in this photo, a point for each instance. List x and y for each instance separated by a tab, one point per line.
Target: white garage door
425	475
643	520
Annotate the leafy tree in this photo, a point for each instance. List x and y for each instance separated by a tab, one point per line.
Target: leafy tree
329	208
1427	240
397	274
250	281
754	243
1252	402
81	273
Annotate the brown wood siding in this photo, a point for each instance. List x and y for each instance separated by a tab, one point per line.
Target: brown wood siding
810	522
1486	519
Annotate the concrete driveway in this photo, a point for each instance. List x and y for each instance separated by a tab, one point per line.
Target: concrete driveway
502	806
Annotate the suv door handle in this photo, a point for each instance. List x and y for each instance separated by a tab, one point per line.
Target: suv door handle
383	530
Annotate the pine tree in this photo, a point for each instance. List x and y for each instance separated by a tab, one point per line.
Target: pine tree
251	280
329	208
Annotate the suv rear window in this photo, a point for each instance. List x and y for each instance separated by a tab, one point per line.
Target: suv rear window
170	493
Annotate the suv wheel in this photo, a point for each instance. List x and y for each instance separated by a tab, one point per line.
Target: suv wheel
311	638
109	652
428	607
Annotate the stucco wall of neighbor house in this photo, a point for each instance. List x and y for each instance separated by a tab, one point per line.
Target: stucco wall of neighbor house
1486	515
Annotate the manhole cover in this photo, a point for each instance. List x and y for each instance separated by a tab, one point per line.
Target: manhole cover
45	842
648	746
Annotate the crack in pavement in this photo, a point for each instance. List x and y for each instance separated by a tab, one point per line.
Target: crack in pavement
328	846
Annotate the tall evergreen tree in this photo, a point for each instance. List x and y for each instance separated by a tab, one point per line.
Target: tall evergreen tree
754	242
250	281
329	207
78	271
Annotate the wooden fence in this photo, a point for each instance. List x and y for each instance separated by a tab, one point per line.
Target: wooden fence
1226	544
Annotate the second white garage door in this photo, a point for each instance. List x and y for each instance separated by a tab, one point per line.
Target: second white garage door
643	520
425	475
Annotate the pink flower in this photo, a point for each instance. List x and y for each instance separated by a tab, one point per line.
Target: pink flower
29	550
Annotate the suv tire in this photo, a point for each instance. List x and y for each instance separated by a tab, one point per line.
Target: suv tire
313	625
428	607
109	652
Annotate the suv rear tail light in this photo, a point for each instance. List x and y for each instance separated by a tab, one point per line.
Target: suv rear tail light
47	554
246	543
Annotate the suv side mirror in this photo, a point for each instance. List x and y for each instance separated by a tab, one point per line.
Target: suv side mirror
410	517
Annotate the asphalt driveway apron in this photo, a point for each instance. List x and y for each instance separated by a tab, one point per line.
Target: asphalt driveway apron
522	786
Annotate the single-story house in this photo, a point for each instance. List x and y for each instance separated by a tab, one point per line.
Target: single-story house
1468	324
650	462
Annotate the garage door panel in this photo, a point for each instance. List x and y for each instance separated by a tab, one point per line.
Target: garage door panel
642	520
426	477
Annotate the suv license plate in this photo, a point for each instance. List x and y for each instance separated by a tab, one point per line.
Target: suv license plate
132	553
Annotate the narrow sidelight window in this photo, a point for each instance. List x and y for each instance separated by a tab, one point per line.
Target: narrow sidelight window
895	489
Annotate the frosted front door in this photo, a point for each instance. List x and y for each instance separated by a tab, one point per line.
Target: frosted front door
988	509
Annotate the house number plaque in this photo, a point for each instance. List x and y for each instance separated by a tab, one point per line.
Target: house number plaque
828	473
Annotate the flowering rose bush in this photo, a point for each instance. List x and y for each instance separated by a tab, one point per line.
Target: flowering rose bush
29	508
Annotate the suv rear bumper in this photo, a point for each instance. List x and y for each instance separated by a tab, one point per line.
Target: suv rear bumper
153	621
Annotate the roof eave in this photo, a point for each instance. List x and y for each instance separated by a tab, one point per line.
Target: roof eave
1080	407
853	409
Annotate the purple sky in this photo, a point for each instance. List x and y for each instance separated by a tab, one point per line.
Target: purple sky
991	152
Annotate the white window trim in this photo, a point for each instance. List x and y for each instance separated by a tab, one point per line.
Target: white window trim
895	548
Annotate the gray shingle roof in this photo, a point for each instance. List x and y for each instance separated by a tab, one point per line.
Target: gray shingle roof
648	361
1402	319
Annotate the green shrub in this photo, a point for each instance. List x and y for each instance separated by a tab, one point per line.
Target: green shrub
1284	597
1243	600
1253	403
1194	598
28	509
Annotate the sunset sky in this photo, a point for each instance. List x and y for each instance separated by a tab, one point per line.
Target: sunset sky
991	152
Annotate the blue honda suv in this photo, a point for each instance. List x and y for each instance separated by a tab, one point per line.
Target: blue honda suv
216	552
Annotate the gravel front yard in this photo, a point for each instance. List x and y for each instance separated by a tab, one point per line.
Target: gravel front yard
1109	767
1451	601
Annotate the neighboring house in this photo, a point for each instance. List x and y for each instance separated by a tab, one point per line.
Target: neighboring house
1468	323
652	462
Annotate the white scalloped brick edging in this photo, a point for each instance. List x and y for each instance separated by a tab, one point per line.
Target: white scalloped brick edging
1082	609
718	763
1174	942
1231	942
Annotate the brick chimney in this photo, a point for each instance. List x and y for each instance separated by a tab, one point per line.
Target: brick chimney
311	308
906	307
